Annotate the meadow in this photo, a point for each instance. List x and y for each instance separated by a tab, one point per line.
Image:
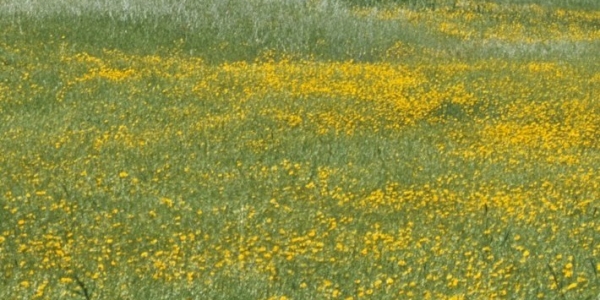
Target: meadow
299	149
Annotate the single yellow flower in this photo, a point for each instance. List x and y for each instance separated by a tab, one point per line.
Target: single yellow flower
66	280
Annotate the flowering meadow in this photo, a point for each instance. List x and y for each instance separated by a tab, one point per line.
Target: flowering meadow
295	149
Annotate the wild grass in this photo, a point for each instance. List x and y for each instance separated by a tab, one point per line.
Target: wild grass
241	30
299	149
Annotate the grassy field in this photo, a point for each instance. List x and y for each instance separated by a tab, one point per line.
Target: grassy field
299	149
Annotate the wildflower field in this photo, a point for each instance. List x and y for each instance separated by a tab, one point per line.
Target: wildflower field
299	149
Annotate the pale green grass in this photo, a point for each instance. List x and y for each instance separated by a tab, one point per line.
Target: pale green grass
242	30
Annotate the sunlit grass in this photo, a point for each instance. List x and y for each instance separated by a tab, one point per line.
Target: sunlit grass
337	158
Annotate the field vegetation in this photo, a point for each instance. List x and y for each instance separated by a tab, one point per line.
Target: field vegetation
299	149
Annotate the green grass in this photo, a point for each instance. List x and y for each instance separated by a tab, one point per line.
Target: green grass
231	30
301	149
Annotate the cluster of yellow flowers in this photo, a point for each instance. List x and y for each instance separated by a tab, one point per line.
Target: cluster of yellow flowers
489	21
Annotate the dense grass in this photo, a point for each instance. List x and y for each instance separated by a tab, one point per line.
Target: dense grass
299	149
241	30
